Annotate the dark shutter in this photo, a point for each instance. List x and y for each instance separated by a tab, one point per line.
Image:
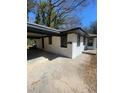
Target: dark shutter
84	40
78	40
50	40
64	41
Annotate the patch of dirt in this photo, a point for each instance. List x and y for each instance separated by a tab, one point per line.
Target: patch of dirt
90	74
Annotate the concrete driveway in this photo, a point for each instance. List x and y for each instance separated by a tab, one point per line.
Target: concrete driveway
63	75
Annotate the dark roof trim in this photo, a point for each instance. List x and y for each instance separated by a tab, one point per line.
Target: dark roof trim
33	37
92	36
77	30
35	28
40	29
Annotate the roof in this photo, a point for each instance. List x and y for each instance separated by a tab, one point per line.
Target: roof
40	29
35	28
77	30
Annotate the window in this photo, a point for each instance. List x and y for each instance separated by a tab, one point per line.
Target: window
50	40
64	41
78	40
90	41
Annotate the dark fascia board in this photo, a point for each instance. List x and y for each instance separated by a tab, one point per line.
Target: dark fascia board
35	28
37	37
77	30
42	27
92	36
33	37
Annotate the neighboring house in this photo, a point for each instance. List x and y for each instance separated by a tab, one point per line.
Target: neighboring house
69	43
91	42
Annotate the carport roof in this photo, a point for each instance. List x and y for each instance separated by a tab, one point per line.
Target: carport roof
36	28
40	29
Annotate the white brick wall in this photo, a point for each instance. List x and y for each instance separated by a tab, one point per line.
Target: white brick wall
71	51
77	50
55	47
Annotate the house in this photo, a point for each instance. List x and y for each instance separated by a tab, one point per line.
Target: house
91	42
69	43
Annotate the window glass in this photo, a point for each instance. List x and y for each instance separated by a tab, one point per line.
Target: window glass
90	41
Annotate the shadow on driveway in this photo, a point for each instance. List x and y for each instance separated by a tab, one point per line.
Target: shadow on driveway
35	53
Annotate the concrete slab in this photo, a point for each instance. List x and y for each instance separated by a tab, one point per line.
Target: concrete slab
93	52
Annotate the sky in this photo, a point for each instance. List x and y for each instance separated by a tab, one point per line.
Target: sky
87	15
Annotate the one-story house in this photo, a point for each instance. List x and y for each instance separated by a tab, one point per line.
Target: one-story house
69	43
91	42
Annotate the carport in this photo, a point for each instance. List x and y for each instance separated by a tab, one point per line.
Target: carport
38	33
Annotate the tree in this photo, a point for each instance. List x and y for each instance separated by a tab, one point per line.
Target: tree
92	29
30	6
43	17
41	13
38	19
71	22
53	12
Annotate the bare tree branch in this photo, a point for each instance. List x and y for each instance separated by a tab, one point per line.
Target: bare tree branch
55	11
56	2
54	5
